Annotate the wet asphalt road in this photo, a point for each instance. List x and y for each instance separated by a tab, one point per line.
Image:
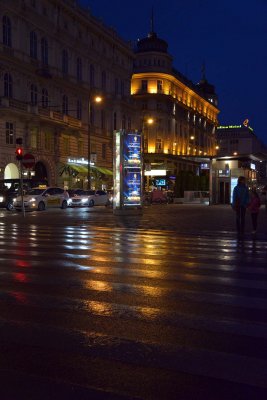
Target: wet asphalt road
167	305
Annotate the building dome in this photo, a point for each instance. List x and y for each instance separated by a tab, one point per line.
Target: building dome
152	43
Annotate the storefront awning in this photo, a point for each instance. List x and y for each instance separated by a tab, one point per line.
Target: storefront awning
69	168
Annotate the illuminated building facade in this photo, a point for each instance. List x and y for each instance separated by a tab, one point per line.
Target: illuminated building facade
54	58
240	153
178	118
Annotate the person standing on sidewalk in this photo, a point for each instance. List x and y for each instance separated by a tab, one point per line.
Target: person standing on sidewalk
240	203
254	208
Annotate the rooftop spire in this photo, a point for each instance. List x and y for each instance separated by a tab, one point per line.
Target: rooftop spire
152	32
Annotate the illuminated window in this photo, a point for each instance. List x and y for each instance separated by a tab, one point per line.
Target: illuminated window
144	85
160	85
159	145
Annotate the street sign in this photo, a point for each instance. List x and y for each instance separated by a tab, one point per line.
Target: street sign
28	161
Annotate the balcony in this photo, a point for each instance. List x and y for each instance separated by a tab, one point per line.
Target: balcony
27	110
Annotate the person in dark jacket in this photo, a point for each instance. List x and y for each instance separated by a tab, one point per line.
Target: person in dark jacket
240	203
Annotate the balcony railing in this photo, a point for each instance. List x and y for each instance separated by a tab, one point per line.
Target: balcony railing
44	113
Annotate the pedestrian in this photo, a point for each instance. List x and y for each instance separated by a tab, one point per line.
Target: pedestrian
254	208
240	203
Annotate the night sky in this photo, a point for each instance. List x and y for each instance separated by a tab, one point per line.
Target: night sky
229	36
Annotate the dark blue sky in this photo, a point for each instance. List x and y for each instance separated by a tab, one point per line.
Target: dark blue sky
230	36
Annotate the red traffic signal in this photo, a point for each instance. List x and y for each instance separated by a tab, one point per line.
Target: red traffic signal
19	153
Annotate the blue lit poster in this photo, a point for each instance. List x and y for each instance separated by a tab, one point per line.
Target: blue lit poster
132	171
132	186
132	148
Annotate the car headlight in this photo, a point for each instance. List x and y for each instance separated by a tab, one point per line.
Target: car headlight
1	199
84	200
32	199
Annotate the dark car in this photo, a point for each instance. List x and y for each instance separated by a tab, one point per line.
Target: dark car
10	189
7	197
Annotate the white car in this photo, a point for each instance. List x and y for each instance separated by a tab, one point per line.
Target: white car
89	198
41	198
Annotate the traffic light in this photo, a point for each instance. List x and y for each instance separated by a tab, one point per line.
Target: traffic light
19	153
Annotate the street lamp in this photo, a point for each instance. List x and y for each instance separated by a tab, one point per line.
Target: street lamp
95	99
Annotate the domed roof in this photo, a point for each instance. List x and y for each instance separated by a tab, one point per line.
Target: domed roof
206	87
152	43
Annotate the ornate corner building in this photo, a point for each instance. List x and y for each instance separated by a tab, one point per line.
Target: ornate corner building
178	118
54	58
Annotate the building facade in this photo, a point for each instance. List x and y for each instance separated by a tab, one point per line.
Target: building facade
178	118
240	152
55	58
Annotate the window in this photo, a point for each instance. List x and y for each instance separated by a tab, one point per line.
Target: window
65	61
48	141
33	95
116	86
92	75
9	133
144	85
104	80
65	105
80	148
66	145
7	31
79	109
129	123
44	51
45	100
33	138
158	145
8	85
104	150
160	86
123	122
33	45
122	88
79	69
103	119
115	121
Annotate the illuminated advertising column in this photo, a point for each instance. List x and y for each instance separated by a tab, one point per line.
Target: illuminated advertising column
128	170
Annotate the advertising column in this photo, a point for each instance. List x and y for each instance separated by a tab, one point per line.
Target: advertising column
128	171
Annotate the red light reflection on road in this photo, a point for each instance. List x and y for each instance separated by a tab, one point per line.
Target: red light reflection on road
20	297
22	263
20	277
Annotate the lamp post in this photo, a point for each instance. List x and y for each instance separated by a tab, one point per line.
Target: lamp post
149	121
94	99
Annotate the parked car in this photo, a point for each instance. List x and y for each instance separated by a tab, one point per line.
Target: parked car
89	198
41	198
